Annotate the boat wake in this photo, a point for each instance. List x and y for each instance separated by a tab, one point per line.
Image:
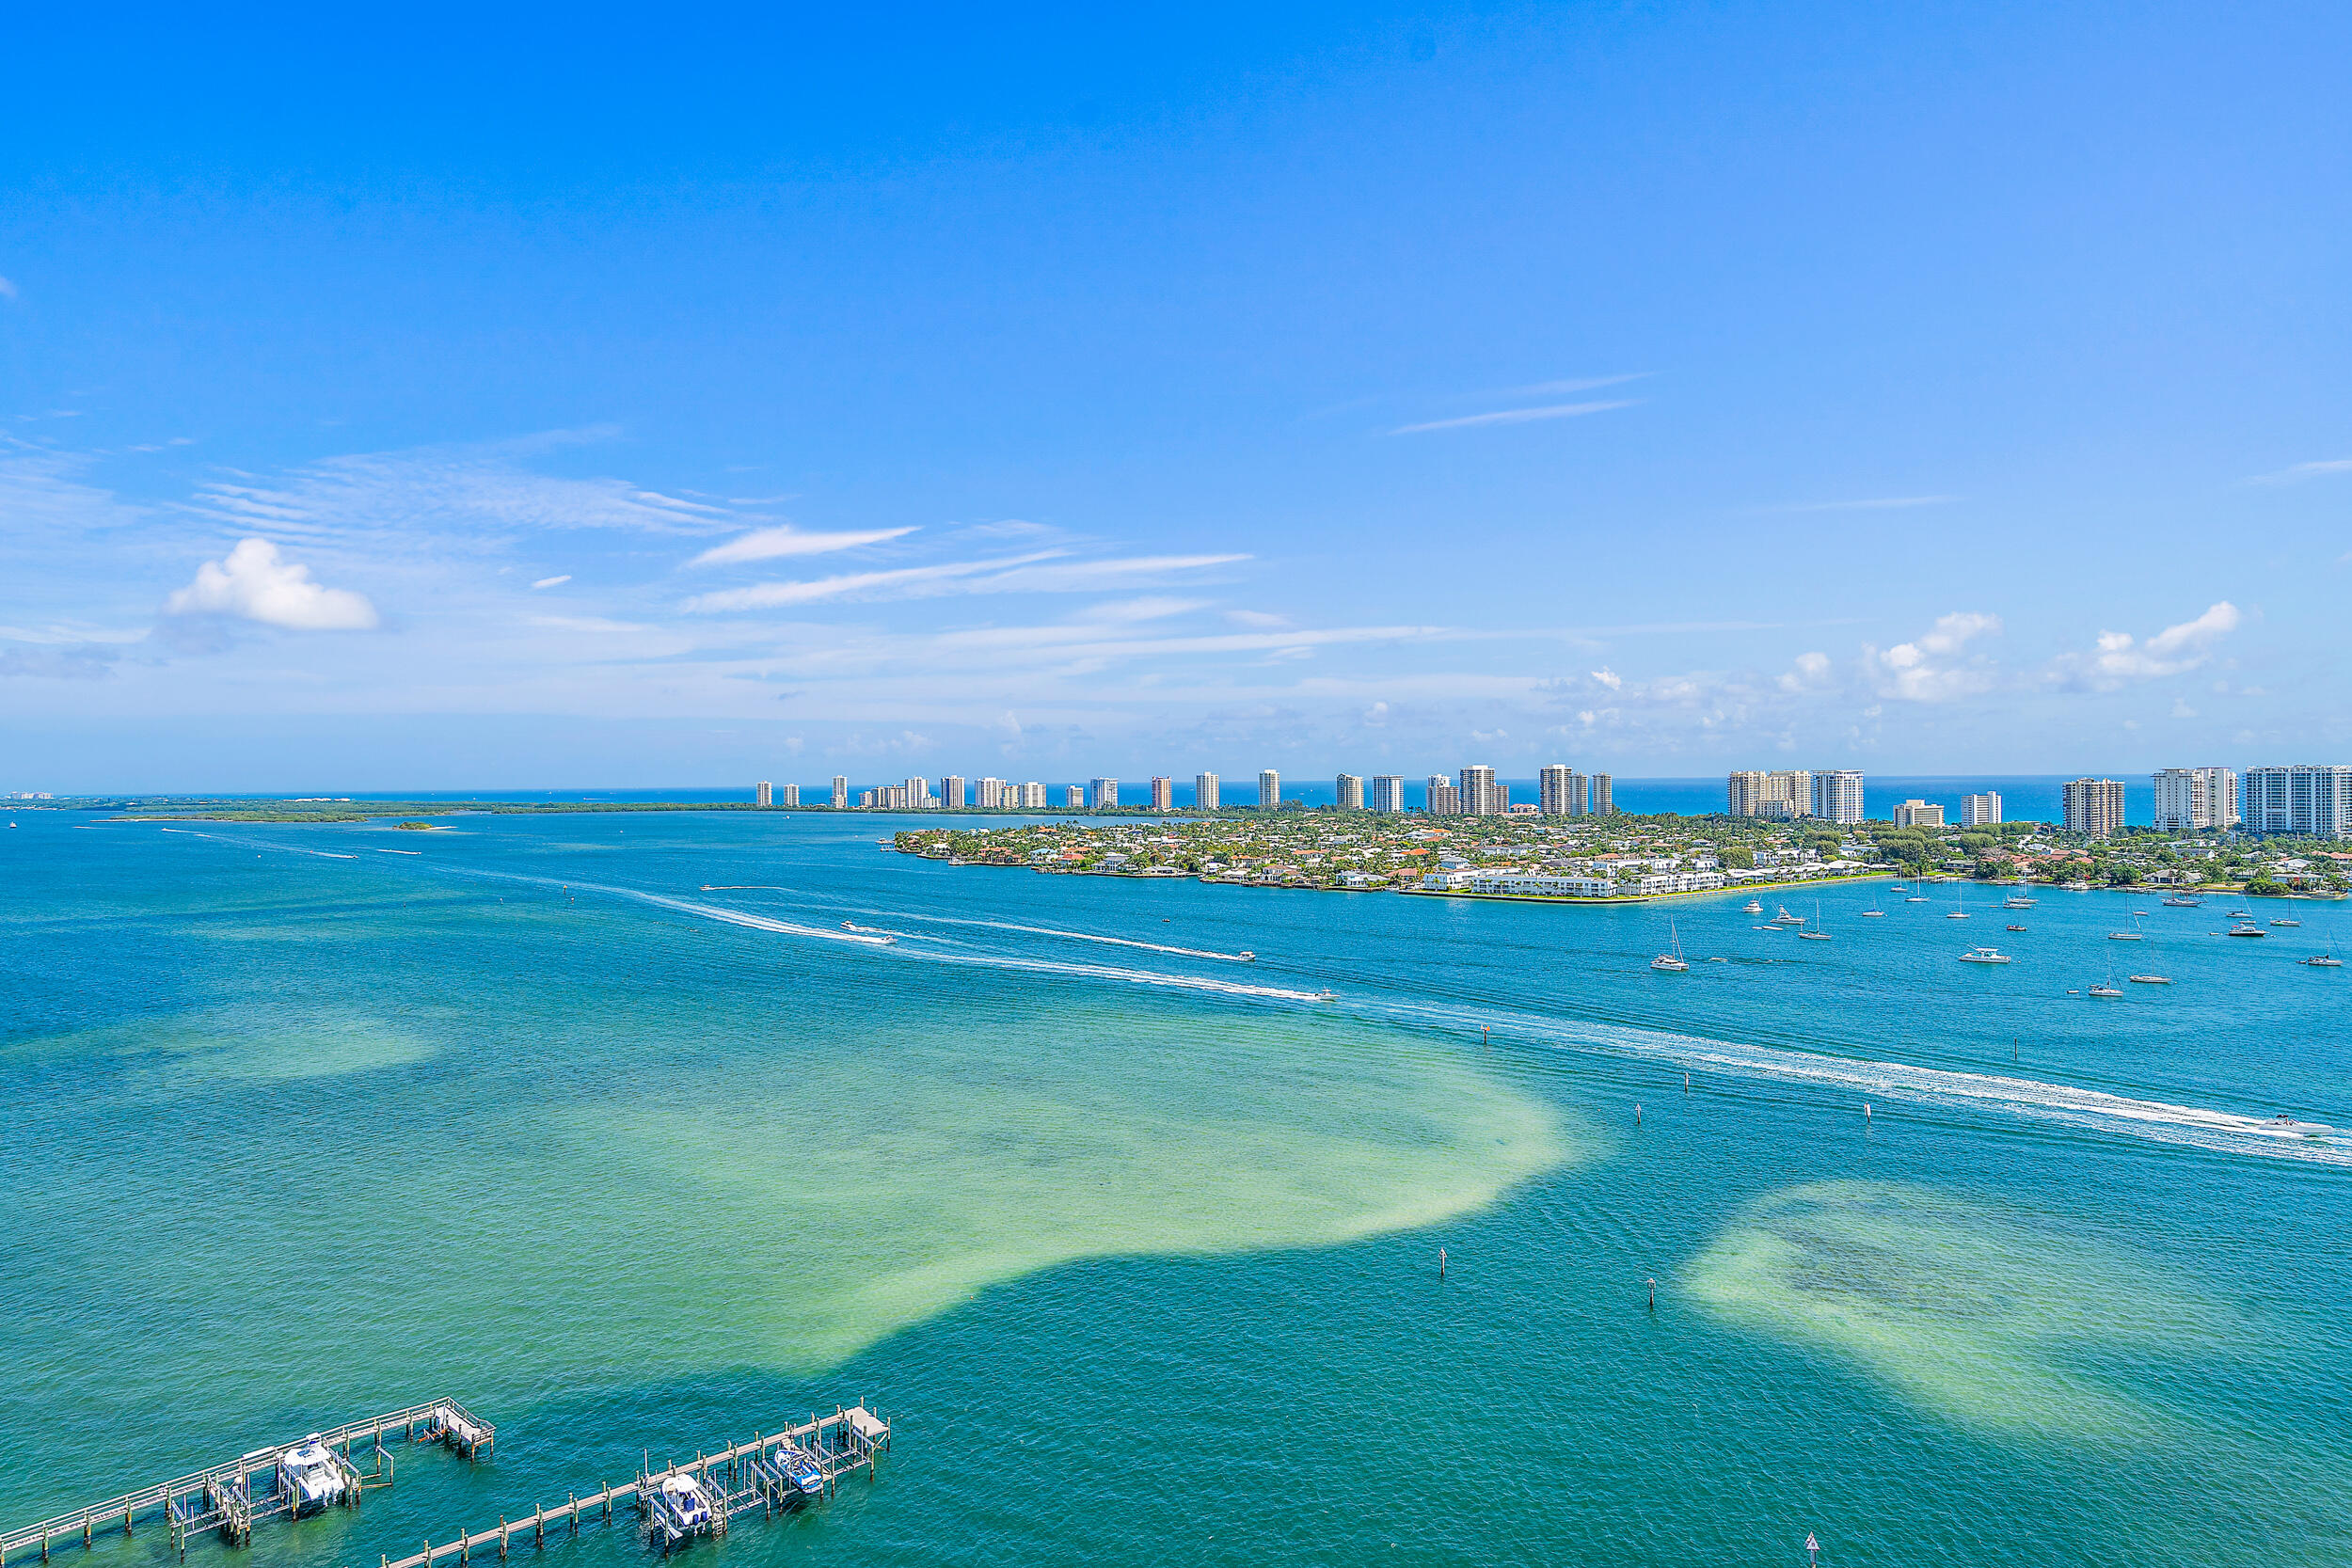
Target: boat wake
1081	936
2228	1132
1133	976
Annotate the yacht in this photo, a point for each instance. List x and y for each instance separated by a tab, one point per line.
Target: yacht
1875	912
1674	962
1984	956
1752	907
2241	914
2248	929
1787	919
308	1474
1917	899
2107	990
2325	960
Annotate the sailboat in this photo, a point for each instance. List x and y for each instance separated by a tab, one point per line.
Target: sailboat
2132	935
2283	920
1674	962
2322	960
2108	988
1816	934
1875	912
1960	904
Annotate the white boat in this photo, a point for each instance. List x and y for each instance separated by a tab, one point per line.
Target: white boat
1674	962
1875	912
2325	960
2017	901
2247	930
1751	906
1247	957
1917	899
310	1474
2107	990
881	936
2125	936
679	1507
2150	980
1984	956
1787	919
1816	934
2286	920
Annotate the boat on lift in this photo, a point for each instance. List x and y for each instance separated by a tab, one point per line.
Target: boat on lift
308	1474
799	1467
680	1508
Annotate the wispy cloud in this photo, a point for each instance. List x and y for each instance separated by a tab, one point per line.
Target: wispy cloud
551	582
1516	416
1874	503
2305	470
1017	574
768	543
1559	388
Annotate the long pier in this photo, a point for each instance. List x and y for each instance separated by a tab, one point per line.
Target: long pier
738	1477
220	1497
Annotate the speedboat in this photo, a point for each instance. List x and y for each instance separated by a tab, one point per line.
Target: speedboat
1984	956
2325	960
679	1507
1787	919
801	1468
1247	957
2150	980
868	932
308	1474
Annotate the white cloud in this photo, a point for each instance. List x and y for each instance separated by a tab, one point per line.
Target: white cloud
2118	658
767	544
1017	574
1256	618
2305	470
1516	416
254	583
551	582
1930	669
1811	671
1609	678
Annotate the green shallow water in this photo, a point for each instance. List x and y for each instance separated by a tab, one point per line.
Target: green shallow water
1139	1246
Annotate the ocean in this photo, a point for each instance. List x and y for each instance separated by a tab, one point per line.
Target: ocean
606	1126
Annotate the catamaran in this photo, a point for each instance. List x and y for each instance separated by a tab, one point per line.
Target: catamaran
1674	962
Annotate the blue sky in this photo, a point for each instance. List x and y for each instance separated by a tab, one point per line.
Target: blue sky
428	401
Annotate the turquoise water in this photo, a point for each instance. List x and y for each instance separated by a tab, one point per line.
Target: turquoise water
1138	1242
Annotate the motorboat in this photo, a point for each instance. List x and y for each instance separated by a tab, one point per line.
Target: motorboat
1674	962
1984	956
801	1468
2325	960
681	1507
1787	919
2150	980
2247	931
2016	927
875	932
310	1474
1326	995
1752	907
1247	957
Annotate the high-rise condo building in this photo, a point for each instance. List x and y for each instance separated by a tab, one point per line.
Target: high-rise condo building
789	795
1032	796
763	794
1104	793
1604	789
1784	793
865	799
1919	813
1269	790
1073	797
1560	791
1351	792
2309	798
1977	811
1163	793
951	795
1387	792
1479	796
2190	799
990	795
1204	792
1837	794
840	793
918	794
2094	806
1445	800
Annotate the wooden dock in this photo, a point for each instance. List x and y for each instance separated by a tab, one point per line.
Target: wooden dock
222	1497
732	1481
